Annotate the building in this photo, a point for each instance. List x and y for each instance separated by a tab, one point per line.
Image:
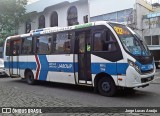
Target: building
50	13
151	33
138	14
130	13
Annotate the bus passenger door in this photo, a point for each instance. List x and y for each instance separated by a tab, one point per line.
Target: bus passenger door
14	58
83	42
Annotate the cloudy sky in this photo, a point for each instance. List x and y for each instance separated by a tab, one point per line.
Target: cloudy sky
31	1
150	1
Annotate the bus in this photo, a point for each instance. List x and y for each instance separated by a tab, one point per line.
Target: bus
104	55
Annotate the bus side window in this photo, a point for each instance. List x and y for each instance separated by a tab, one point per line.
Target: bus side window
98	43
43	44
53	47
16	47
104	41
8	50
62	44
110	42
27	46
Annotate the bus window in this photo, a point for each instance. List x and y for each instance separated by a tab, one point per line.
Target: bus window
8	48
63	44
81	38
104	43
27	46
16	47
98	42
110	42
88	41
43	44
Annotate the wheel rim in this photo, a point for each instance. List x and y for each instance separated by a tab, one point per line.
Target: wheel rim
30	79
106	86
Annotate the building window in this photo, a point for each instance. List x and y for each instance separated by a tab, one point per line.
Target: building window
41	22
72	16
28	26
54	19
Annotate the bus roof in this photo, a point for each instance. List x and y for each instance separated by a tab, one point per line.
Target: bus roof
48	30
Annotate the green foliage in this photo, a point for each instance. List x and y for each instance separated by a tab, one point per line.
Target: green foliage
12	12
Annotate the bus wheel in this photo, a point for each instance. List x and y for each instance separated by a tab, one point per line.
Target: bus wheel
106	87
30	78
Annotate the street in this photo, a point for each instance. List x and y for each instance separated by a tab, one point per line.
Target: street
15	92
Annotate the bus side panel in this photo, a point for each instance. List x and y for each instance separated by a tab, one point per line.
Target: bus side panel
27	62
100	65
6	65
61	68
23	64
122	67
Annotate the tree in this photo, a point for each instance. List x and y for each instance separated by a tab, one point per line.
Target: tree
12	13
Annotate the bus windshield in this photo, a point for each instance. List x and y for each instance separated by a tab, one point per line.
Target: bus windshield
131	42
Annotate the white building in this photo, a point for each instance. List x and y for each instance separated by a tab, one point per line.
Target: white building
138	14
49	13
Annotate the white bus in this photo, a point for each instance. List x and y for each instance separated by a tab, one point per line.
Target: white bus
104	55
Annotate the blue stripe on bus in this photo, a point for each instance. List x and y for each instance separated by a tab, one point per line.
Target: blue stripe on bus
110	68
44	67
122	68
49	66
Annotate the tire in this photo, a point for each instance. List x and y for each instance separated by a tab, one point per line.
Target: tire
106	87
30	78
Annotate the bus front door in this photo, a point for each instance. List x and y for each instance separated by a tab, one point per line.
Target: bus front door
14	58
83	43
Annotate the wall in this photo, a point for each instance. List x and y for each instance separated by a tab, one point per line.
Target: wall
141	8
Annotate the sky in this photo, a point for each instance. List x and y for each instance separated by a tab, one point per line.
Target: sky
31	1
150	1
153	1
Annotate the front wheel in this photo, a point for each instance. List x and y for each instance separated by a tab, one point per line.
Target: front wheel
30	78
106	87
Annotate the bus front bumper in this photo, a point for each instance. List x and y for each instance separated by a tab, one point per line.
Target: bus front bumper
134	79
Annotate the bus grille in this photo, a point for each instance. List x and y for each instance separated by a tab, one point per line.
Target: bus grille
144	80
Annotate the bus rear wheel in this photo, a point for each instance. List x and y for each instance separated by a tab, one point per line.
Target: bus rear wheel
106	87
30	78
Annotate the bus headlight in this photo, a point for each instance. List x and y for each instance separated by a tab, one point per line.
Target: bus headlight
136	67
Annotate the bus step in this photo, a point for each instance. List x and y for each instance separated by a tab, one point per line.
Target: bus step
14	76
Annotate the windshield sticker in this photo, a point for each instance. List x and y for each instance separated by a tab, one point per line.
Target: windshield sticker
120	31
